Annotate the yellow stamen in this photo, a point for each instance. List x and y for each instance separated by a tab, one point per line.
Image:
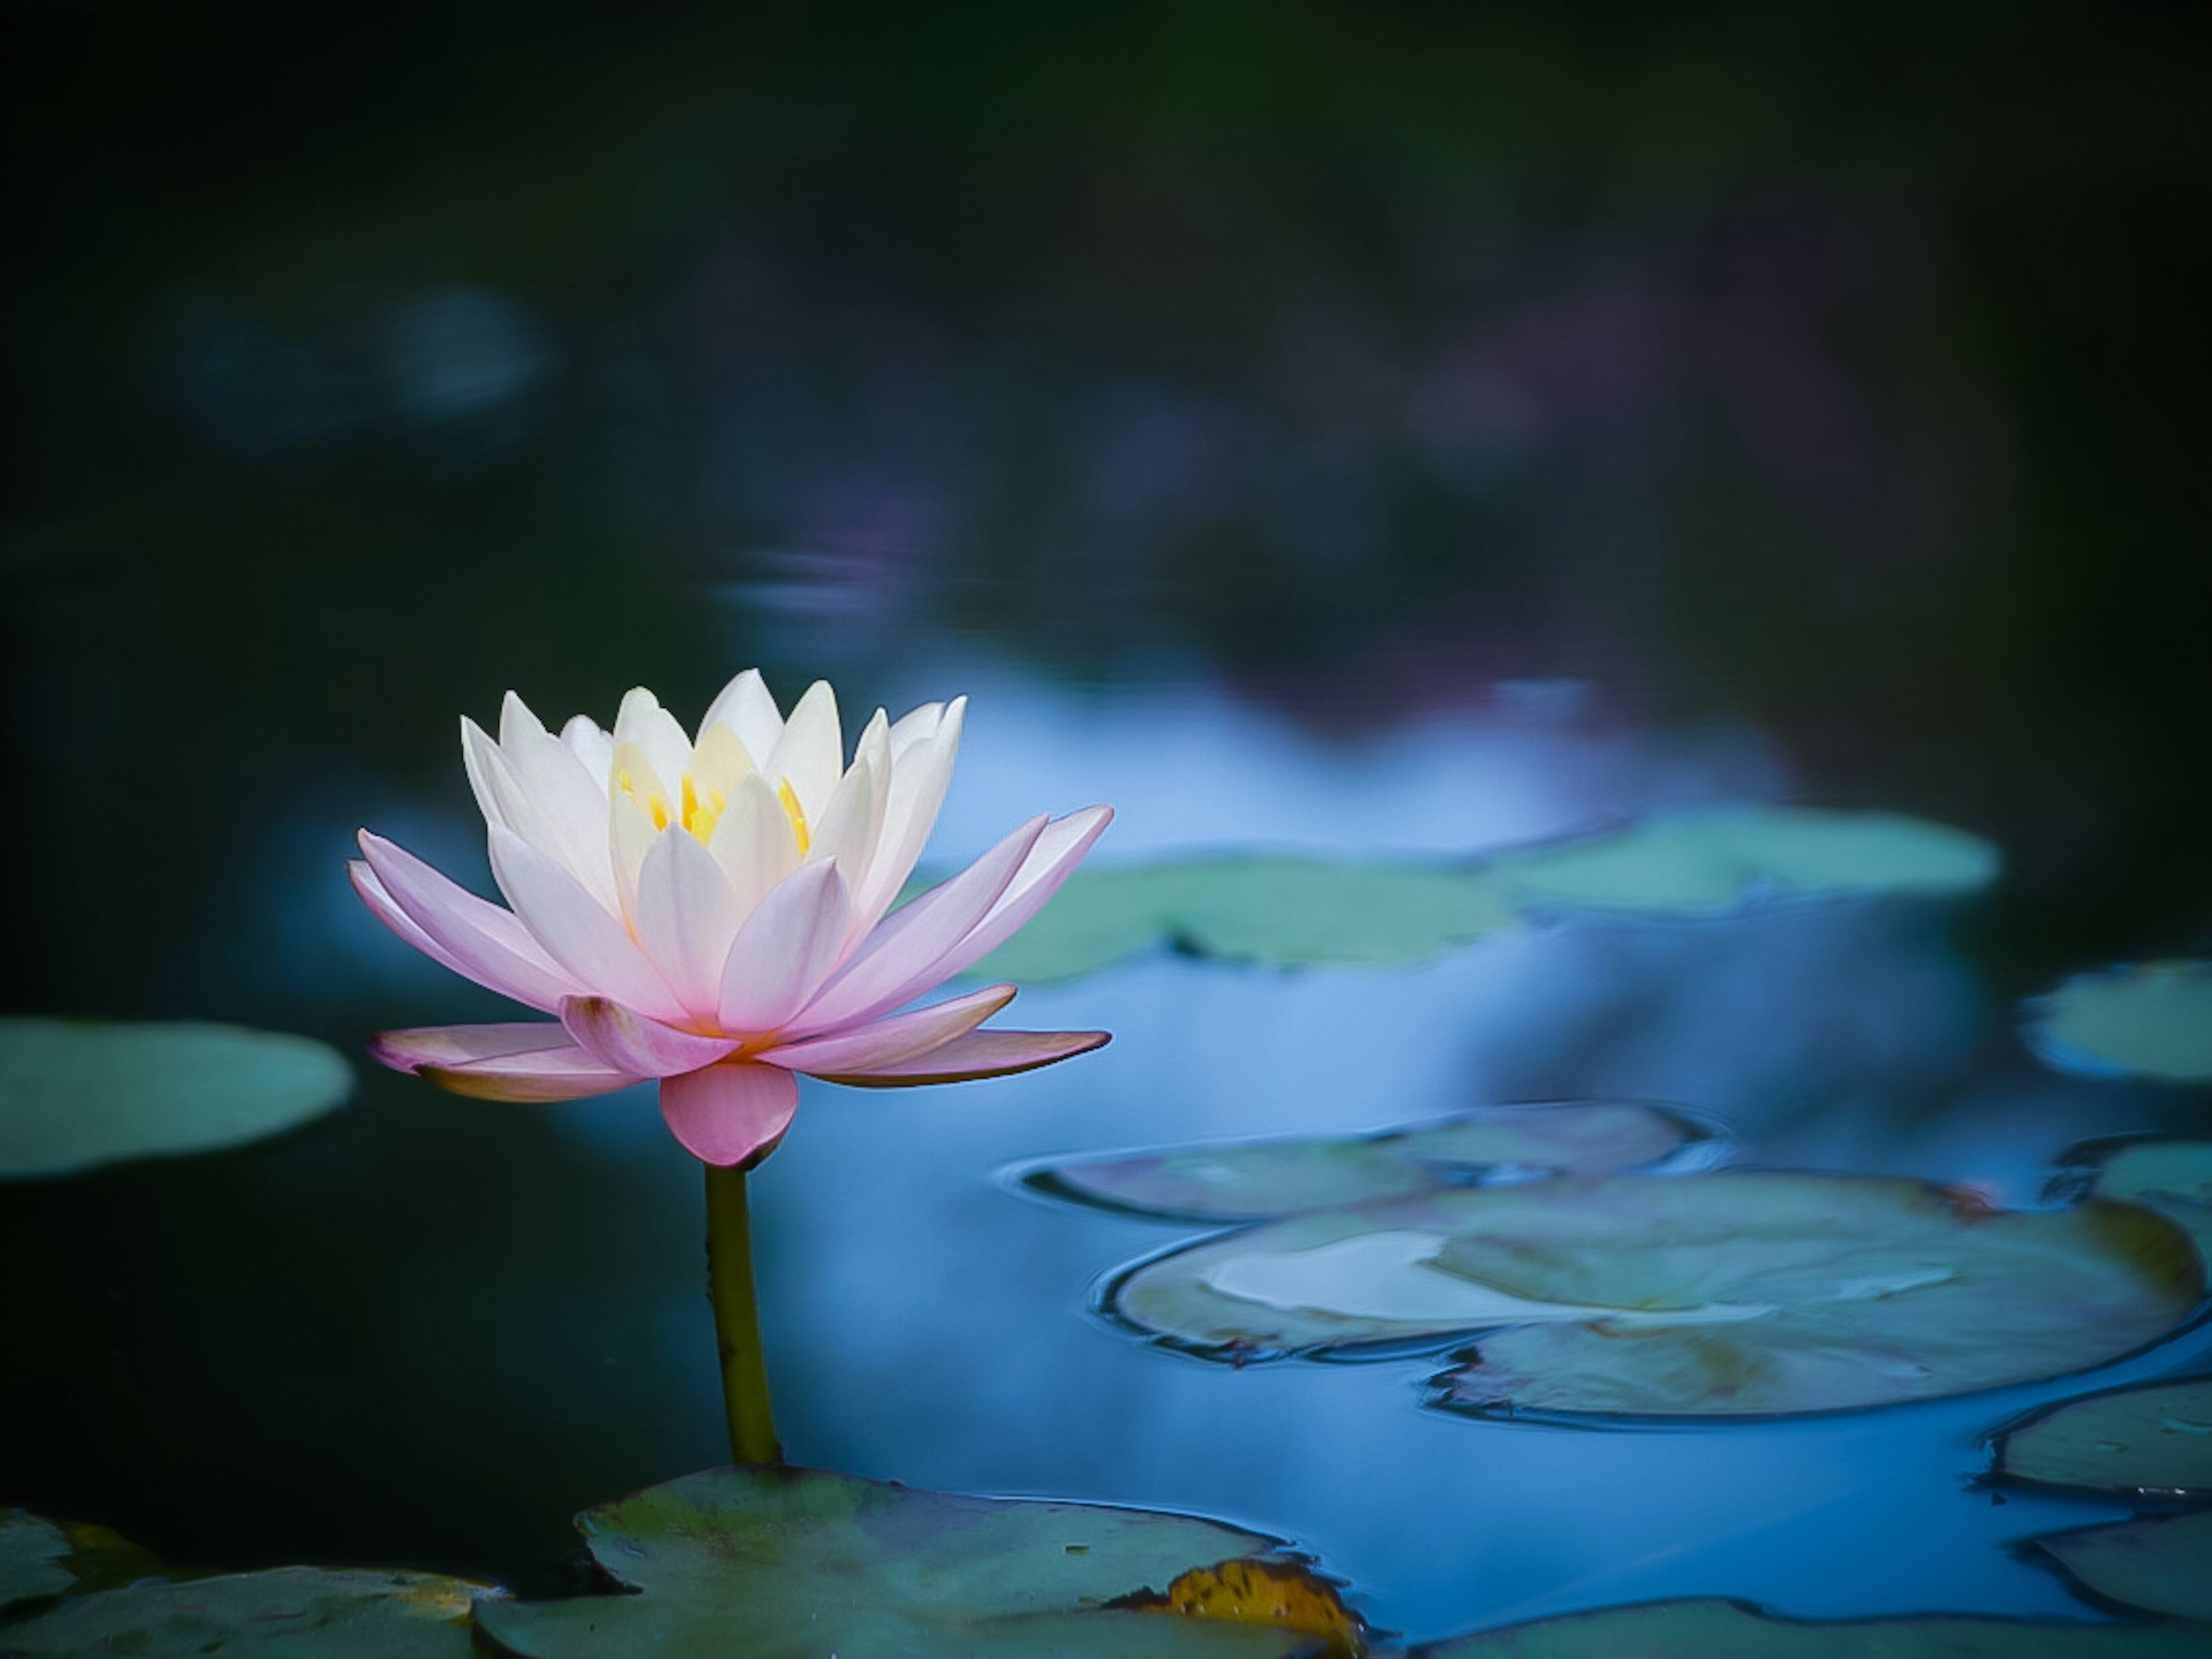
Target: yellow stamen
797	814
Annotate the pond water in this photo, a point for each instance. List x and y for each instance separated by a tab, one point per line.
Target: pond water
1560	474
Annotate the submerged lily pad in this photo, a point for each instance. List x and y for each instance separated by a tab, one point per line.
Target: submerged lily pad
2153	1021
1247	1181
2148	1439
1725	1294
77	1093
1715	1629
1711	858
2163	1564
333	1615
803	1564
1277	910
33	1551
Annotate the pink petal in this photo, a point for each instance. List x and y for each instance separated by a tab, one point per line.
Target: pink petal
787	948
595	948
1054	859
979	1053
887	1042
478	939
535	1075
458	1045
632	1043
386	909
733	1113
893	964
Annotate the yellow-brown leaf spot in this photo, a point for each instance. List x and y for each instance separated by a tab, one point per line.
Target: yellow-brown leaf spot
1280	1595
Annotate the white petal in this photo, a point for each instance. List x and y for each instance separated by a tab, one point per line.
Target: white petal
582	737
630	835
787	948
919	779
644	722
686	918
850	827
810	755
917	725
567	805
754	842
515	719
747	709
583	938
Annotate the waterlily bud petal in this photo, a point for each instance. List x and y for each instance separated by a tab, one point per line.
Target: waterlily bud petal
978	1054
787	948
900	1036
733	1113
629	1043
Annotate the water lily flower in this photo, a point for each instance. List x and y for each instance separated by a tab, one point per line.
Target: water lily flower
717	915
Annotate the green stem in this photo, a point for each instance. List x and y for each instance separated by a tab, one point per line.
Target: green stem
736	1318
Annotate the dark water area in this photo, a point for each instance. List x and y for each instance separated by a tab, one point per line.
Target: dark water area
1402	432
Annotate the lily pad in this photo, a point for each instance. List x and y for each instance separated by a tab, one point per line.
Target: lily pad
1249	1181
2152	1021
801	1564
2173	1177
2163	1564
1726	1294
1713	1629
333	1615
33	1551
1713	858
1276	910
2150	1439
77	1093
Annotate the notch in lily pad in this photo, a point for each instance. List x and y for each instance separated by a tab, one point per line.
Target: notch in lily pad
2155	1440
791	1563
1730	1294
1278	911
1709	859
1254	1180
76	1094
2149	1021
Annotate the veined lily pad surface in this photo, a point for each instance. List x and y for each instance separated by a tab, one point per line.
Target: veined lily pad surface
1245	1181
1725	1294
2173	1177
78	1093
1277	910
1712	859
1726	1630
32	1553
792	1564
332	1614
2163	1564
2152	1439
2154	1021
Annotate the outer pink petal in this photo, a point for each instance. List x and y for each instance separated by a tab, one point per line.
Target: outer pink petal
887	1042
893	965
386	909
1050	862
979	1053
458	1045
565	1072
477	939
632	1043
787	948
734	1113
575	931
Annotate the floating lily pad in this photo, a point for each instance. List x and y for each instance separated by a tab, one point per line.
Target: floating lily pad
1281	911
339	1614
1725	1294
2153	1021
1712	858
1247	1181
804	1563
2173	1177
77	1093
34	1554
1729	1630
2163	1564
2151	1439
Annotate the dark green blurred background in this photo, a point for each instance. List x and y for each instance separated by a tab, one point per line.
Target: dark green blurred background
1836	370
